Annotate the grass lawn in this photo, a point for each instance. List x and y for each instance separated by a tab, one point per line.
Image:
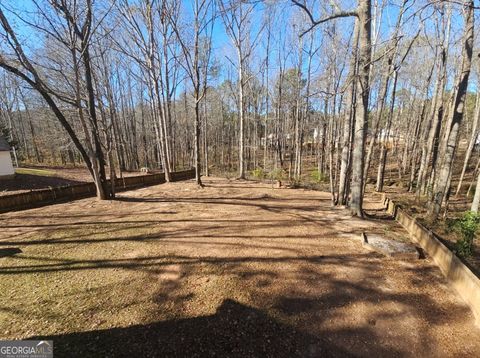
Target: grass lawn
31	171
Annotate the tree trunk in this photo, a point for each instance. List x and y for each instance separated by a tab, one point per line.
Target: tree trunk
476	198
471	144
384	149
436	114
241	119
456	114
348	120
362	96
198	168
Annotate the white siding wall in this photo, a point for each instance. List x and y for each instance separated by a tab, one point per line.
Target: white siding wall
6	167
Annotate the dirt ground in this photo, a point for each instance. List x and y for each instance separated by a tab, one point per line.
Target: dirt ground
237	268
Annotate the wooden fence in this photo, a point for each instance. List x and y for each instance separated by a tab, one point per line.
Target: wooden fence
60	194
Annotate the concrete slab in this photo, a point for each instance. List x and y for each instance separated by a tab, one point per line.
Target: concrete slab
392	248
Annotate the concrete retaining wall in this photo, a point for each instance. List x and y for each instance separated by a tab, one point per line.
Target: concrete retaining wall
43	197
461	278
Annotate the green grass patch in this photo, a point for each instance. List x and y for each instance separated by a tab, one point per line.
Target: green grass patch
39	172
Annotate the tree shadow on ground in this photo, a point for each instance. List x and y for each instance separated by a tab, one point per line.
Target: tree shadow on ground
309	296
235	330
10	251
285	287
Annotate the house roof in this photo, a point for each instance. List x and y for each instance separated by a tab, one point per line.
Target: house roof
4	145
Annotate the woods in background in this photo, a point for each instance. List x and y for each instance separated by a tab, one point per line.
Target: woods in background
350	90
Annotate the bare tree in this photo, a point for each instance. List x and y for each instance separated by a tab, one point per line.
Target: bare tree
456	115
363	13
18	63
236	15
197	60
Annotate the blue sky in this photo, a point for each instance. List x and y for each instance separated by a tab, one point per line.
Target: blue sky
283	31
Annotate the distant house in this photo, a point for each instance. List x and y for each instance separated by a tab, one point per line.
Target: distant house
6	167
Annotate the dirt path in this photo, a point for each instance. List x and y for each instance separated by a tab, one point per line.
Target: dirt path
234	269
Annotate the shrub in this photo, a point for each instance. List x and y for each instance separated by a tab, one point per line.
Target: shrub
295	183
276	174
318	176
258	173
467	225
451	225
